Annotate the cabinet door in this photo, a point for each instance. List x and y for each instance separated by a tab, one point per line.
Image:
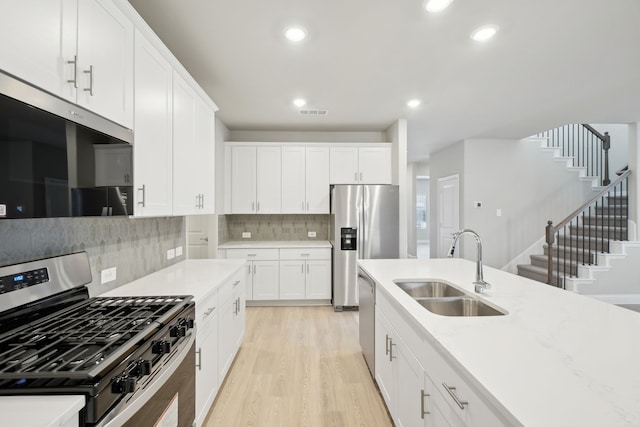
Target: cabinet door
39	43
384	363
318	279
266	280
293	180
374	165
153	146
317	180
343	166
410	389
243	179
205	150
187	161
207	382
268	176
227	337
105	61
292	279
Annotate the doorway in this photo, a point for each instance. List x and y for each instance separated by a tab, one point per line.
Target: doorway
448	212
422	216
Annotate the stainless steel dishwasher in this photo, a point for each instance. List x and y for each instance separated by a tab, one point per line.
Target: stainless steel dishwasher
367	295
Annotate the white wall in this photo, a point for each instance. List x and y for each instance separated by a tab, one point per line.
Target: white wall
397	135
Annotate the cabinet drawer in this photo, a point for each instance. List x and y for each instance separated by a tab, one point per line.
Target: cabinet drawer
206	309
253	254
461	399
226	291
305	253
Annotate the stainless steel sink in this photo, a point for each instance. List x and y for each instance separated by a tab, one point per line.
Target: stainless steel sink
428	289
458	306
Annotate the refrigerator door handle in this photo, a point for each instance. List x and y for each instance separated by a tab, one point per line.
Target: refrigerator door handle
364	223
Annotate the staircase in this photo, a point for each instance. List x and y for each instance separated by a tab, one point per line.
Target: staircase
575	244
580	243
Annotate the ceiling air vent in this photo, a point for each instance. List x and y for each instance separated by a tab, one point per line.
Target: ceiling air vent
313	112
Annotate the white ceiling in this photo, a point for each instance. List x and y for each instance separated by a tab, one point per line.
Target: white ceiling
552	62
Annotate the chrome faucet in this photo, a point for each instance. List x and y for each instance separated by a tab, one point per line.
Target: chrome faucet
480	284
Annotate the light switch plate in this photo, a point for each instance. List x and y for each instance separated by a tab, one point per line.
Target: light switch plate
498	212
246	234
171	254
311	234
179	251
108	275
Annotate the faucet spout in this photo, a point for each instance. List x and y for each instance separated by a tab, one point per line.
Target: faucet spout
480	284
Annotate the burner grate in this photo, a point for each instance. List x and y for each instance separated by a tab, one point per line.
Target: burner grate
78	339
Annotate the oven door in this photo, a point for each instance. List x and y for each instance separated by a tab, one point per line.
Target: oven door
167	400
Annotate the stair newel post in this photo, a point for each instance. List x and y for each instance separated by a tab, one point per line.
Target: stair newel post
606	144
550	240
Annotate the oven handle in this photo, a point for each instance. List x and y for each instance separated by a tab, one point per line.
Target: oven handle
120	414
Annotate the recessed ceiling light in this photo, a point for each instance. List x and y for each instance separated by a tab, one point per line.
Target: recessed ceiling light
484	33
435	6
299	102
295	34
413	103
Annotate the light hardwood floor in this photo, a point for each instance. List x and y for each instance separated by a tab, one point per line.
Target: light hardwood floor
299	367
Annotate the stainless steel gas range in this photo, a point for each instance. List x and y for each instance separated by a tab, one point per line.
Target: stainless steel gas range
132	358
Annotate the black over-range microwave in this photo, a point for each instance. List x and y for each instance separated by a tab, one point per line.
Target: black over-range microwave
59	160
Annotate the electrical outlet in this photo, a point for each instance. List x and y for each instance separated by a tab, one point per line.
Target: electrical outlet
246	234
171	254
108	275
179	251
311	234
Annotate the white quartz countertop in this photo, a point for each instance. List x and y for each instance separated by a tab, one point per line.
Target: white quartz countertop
274	244
556	359
197	277
39	411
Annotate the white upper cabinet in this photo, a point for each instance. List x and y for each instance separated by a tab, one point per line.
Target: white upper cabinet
255	179
79	50
105	61
39	43
153	147
193	151
243	180
361	165
305	179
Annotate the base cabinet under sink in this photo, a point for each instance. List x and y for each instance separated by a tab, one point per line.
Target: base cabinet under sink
419	386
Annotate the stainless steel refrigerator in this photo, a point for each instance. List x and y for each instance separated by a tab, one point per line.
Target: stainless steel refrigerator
364	224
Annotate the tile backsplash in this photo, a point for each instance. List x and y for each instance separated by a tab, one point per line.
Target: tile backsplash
272	227
137	247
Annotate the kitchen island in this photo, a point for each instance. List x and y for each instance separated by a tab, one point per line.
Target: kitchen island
554	359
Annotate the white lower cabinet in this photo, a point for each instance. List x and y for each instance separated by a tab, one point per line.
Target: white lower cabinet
418	384
220	323
207	380
287	273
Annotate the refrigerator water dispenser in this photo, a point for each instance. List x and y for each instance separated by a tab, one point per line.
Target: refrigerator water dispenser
348	239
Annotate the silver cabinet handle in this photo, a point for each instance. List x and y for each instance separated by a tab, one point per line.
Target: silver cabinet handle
360	176
258	207
199	362
238	305
302	268
249	268
197	201
204	239
423	412
253	206
307	206
386	345
202	201
90	72
235	307
307	268
391	356
454	396
252	254
75	71
236	283
208	312
143	189
254	269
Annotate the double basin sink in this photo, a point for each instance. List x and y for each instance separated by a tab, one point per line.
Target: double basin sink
446	300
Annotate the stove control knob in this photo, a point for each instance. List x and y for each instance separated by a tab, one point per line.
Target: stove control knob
160	347
142	368
123	385
190	323
178	331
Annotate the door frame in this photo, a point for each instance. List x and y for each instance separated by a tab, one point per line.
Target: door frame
455	220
